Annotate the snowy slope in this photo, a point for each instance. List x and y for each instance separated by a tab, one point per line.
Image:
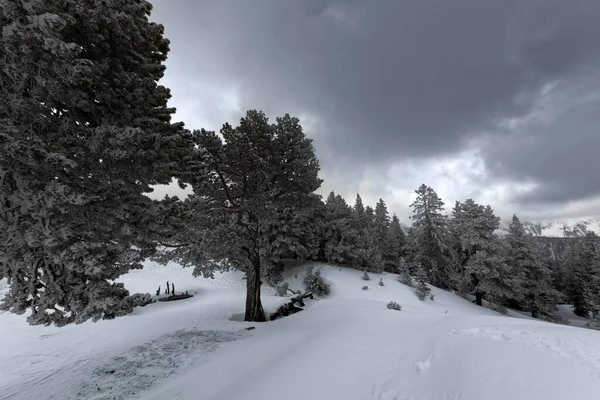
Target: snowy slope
346	347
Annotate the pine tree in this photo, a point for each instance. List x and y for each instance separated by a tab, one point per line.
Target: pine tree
382	218
369	215
399	235
359	208
422	290
84	132
532	279
392	247
404	273
254	175
288	233
349	240
383	237
339	236
427	243
582	264
482	270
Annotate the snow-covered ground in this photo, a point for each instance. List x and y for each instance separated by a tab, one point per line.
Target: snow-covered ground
349	346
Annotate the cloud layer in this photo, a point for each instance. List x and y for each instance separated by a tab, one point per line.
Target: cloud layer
387	88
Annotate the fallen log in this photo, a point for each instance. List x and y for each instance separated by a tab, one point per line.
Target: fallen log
174	297
292	307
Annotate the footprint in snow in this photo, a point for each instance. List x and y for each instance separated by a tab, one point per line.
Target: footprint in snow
423	365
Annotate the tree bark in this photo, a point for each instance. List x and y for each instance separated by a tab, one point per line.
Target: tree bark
254	308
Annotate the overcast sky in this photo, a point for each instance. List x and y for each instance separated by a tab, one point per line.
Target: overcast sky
494	100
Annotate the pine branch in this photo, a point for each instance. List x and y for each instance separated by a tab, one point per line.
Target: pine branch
174	246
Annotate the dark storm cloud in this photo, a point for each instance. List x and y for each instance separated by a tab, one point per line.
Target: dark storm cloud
393	79
562	154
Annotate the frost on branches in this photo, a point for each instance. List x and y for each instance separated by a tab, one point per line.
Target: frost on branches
348	236
532	279
428	238
481	268
81	118
251	203
582	267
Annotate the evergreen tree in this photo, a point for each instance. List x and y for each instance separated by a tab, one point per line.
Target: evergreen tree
383	237
359	208
404	273
339	236
382	218
399	235
533	280
487	276
84	132
367	253
481	267
369	215
392	247
349	240
289	233
582	264
421	290
427	244
253	175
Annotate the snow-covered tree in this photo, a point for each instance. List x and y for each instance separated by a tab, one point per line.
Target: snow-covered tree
254	177
404	273
359	208
314	282
369	214
84	132
384	237
421	289
398	234
582	266
482	270
392	247
289	233
428	237
532	279
338	233
367	253
382	218
348	240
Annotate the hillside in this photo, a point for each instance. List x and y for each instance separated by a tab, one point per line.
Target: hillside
555	246
349	346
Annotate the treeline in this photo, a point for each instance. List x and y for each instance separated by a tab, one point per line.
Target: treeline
464	251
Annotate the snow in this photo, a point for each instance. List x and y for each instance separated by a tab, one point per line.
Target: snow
348	346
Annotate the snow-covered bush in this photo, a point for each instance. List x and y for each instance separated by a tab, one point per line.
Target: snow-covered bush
422	290
282	289
272	273
404	274
365	288
406	279
366	277
140	299
392	305
314	282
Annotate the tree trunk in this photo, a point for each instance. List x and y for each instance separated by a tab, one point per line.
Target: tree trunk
254	308
479	298
534	309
